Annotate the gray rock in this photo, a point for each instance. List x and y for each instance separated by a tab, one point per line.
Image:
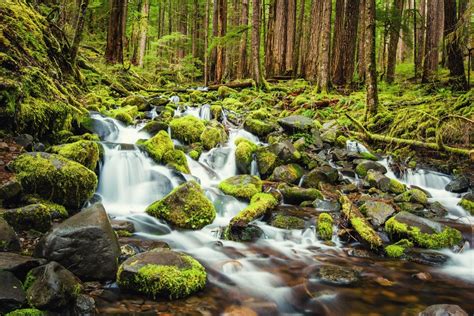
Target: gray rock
325	174
296	195
85	243
34	216
17	264
51	287
8	239
10	189
325	205
12	295
364	166
295	123
458	185
377	212
122	225
443	310
85	305
248	233
291	173
25	140
426	257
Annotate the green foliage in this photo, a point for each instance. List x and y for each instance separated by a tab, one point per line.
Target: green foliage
325	223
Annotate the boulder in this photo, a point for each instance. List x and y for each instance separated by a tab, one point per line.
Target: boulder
84	152
377	212
259	127
467	202
51	287
270	157
17	264
377	180
326	174
162	273
296	195
458	185
296	123
12	295
54	177
413	196
185	207
158	146
213	135
291	173
8	239
443	310
325	226
138	101
187	129
249	233
35	216
84	305
365	165
241	186
10	189
244	154
153	127
287	222
85	243
260	204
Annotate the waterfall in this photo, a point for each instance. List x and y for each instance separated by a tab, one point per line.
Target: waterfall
205	112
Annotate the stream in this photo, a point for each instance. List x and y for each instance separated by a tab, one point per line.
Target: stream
276	274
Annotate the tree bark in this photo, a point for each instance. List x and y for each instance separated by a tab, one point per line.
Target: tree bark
143	32
79	29
257	75
361	67
430	63
324	64
116	31
297	60
206	44
371	72
396	23
221	31
338	43
244	21
290	37
312	57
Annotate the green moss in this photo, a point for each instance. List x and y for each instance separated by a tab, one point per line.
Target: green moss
288	173
325	223
413	196
259	127
396	186
177	160
26	312
194	154
287	222
244	186
368	156
187	129
259	205
216	111
467	205
341	141
365	231
29	280
84	152
126	114
158	146
212	136
55	178
244	153
169	281
35	216
224	92
266	161
57	211
398	249
447	238
361	170
123	233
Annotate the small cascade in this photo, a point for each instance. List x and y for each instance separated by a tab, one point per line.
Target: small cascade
205	112
254	167
175	99
354	146
115	131
460	265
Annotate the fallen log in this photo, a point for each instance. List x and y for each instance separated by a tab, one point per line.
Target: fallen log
233	85
439	145
320	104
259	205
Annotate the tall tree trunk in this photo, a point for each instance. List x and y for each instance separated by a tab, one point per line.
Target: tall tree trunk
215	33
135	34
182	25
244	21
312	57
116	31
420	37
371	72
143	32
206	44
298	42
361	67
338	44
431	54
257	75
453	49
290	37
222	29
79	29
324	65
396	23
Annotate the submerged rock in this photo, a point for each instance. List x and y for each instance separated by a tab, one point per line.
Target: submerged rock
185	207
326	205
85	243
54	177
12	295
458	185
443	310
162	273
242	186
336	275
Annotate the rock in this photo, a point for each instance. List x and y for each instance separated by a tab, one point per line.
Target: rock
162	273
10	189
467	203
287	222
443	310
458	185
377	212
85	305
326	174
316	138
17	264
213	135
187	129
259	127
26	312
296	195
426	257
51	287
177	160
122	225
184	207
54	177
24	140
412	196
325	223
244	153
296	123
366	165
291	173
423	232
242	186
336	275
8	239
260	204
249	233
329	132
35	216
153	127
158	101
384	183
85	243
12	295
84	152
158	146
270	157
326	205
138	101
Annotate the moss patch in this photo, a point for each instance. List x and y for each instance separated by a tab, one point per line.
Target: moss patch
398	249
177	160
244	186
287	222
187	129
84	152
158	146
26	312
259	205
325	222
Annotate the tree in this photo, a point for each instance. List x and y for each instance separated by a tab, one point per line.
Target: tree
79	29
221	31
371	72
361	67
116	31
312	56
143	32
257	75
244	21
433	26
395	25
325	39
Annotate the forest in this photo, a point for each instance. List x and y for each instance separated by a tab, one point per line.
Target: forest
236	157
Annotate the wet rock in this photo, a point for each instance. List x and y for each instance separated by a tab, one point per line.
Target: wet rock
458	185
186	207
426	257
291	173
259	127
235	310
138	101
158	101
8	239
24	140
249	233
85	152
366	165
443	310
295	123
244	154
339	154
337	275
35	216
377	212
51	287
162	273
327	205
414	208
122	225
153	127
412	196
10	189
297	195
329	132
17	264
467	202
241	186
85	243
385	184
84	305
326	174
12	295
287	222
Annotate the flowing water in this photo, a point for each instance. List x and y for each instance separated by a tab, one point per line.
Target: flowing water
274	275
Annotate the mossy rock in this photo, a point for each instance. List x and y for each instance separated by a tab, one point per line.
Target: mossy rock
364	166
260	204
291	173
55	178
216	111
162	274
187	129
153	127
244	154
423	232
184	207
242	186
176	159
325	228
36	216
224	92
296	195
57	211
158	146
84	152
138	101
126	114
397	249
287	222
467	203
213	135
267	161
259	127
413	196
26	312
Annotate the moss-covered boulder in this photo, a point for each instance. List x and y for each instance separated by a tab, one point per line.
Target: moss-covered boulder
162	274
84	152
296	195
176	159
57	211
56	178
325	222
260	204
287	222
244	154
158	146
216	111
35	216
413	196
137	100
291	173
213	135
153	127
326	174
187	129
364	166
185	207
377	212
126	114
242	186
224	92
259	127
421	231
280	153
384	183
26	312
296	123
467	203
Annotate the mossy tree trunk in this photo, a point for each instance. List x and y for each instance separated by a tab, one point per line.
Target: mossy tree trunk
80	21
371	72
396	23
116	31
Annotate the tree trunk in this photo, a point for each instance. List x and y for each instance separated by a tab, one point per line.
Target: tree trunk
338	44
453	48
143	32
396	23
116	31
361	67
79	29
420	37
324	65
290	37
371	72
244	21
298	42
430	63
182	25
312	57
256	59
221	31
206	44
